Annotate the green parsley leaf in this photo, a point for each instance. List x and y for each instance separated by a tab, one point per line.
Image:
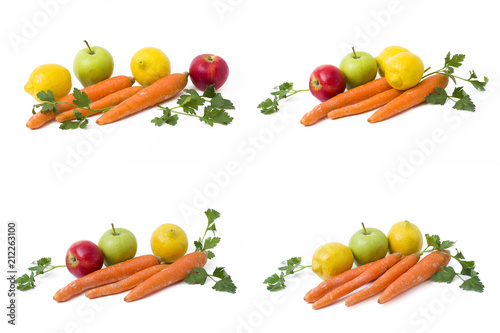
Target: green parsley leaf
46	96
209	91
81	100
473	284
275	282
42	266
291	266
459	96
284	90
438	97
465	104
447	274
225	284
199	276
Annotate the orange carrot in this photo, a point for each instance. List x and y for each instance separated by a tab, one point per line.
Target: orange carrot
348	97
417	274
370	274
95	92
367	105
328	285
386	279
163	89
171	274
106	275
410	97
125	284
105	102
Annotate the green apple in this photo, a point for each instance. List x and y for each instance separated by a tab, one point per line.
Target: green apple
117	245
92	65
367	245
358	68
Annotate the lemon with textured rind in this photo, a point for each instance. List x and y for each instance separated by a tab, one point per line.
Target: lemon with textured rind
331	259
169	242
405	238
148	65
404	70
51	77
385	55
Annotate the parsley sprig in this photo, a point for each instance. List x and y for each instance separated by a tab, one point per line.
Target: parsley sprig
81	100
214	108
291	266
223	281
467	274
459	96
41	266
281	92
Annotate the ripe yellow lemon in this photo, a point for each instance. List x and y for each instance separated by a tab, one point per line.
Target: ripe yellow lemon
51	77
405	238
148	65
385	55
331	259
169	242
404	70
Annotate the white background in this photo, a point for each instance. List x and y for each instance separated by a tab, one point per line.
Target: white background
291	189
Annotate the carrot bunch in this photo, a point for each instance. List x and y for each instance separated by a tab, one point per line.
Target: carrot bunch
395	274
115	98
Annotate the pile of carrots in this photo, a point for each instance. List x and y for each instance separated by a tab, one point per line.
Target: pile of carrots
391	275
372	95
118	94
142	275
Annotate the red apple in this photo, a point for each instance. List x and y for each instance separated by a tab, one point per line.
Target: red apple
207	69
326	81
83	257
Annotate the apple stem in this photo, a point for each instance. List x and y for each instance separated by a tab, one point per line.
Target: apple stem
113	227
354	52
363	224
91	52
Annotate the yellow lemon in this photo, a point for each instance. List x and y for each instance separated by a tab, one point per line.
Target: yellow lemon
404	70
51	77
331	259
385	55
405	238
169	242
148	65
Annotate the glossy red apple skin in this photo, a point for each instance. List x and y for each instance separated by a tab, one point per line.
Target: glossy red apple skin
207	69
326	81
83	257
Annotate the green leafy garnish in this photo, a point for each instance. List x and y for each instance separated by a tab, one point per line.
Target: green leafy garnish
284	90
448	273
223	281
214	111
81	100
459	96
291	266
42	266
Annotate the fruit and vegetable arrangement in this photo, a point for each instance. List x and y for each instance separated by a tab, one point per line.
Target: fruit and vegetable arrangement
116	97
140	275
403	84
392	264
